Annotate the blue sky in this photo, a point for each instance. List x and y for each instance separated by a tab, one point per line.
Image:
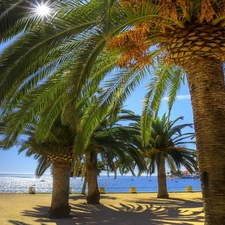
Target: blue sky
11	162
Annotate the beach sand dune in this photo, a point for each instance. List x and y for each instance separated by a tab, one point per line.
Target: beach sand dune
115	209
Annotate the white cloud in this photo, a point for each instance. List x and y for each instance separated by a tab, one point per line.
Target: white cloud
179	97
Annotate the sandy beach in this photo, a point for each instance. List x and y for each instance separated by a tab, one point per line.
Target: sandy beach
115	209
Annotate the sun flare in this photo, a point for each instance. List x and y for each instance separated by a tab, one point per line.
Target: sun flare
42	10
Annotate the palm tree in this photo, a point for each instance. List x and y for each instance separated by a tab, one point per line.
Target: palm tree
188	34
115	143
166	144
56	151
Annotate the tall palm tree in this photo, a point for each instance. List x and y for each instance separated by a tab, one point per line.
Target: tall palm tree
57	144
113	141
166	144
56	151
187	33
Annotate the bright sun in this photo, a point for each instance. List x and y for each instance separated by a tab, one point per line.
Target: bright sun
42	10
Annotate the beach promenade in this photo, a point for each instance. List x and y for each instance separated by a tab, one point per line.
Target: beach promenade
115	209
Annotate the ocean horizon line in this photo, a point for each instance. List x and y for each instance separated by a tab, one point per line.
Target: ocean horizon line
105	175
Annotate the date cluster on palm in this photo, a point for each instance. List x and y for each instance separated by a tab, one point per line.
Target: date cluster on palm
182	29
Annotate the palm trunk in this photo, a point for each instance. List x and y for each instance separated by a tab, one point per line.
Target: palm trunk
92	175
60	193
84	184
162	187
206	82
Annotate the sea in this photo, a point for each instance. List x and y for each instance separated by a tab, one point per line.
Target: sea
20	183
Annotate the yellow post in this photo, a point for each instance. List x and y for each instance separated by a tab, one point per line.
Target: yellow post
71	191
31	190
101	190
133	190
189	188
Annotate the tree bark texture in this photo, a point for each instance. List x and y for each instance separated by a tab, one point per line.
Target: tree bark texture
162	187
200	50
206	82
60	193
92	175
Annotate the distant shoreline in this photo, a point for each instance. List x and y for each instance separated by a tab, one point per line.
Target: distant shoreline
20	183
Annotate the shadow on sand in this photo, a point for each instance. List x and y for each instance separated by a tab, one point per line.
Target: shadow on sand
150	211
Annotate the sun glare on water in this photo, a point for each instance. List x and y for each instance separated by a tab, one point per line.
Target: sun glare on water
43	10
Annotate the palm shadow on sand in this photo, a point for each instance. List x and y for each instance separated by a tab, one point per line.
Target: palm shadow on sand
150	211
